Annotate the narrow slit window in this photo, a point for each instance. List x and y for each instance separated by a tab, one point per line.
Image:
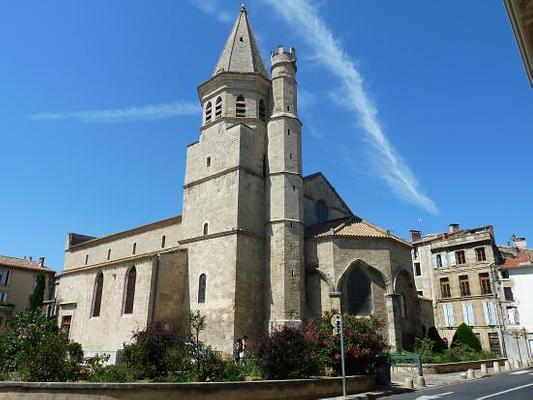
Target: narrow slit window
134	248
86	259
240	107
206	228
208	161
109	254
163	241
208	112
97	302
202	283
218	108
130	290
262	110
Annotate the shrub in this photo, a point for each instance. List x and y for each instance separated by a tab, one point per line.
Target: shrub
438	344
465	335
364	343
156	351
32	349
423	347
286	353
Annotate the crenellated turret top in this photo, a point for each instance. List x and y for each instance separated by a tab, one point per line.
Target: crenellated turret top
241	53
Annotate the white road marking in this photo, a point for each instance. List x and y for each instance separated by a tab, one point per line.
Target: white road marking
434	396
518	372
505	391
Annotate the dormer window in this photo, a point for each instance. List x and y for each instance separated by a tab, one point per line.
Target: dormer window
208	112
240	107
218	108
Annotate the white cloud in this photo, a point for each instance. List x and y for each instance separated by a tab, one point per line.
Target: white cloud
212	8
327	51
135	113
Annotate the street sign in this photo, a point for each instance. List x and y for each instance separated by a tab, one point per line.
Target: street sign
336	323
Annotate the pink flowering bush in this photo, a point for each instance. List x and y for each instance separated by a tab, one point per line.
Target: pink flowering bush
364	343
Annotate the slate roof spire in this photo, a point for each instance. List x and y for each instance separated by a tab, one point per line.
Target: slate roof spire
241	53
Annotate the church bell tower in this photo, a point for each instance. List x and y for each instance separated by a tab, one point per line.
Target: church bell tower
284	191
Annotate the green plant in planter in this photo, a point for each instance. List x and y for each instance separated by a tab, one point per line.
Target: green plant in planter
465	335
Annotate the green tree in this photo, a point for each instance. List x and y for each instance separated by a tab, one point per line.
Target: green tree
438	344
465	335
33	349
36	298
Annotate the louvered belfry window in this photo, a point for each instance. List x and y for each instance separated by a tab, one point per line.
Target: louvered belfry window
240	107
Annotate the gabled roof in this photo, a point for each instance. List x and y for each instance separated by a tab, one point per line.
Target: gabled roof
14	262
353	227
241	53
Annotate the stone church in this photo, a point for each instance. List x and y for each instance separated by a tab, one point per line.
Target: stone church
257	245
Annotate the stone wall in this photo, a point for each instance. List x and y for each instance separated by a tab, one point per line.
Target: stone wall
107	332
147	239
293	389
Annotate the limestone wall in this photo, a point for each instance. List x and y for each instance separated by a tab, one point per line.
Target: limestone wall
107	332
147	239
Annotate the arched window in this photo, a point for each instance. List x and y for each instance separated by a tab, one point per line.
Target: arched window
218	108
206	228
321	210
208	112
262	110
97	298
163	240
130	290
240	107
202	282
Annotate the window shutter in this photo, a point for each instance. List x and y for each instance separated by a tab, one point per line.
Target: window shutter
492	313
487	312
444	262
450	312
453	262
471	314
434	258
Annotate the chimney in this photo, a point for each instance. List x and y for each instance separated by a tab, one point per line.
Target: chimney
520	243
41	262
415	235
453	228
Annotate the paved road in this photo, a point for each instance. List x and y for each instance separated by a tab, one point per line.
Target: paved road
509	386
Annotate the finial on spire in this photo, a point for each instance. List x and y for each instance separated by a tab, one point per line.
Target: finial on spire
243	6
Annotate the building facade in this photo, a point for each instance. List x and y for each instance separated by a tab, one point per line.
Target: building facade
458	270
517	280
18	277
257	245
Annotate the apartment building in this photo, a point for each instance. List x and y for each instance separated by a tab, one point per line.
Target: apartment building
458	270
18	277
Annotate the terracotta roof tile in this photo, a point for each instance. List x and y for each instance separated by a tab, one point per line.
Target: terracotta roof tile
21	263
351	228
520	260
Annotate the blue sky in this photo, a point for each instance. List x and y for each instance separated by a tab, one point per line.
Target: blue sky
419	113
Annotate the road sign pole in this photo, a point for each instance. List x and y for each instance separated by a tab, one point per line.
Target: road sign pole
342	358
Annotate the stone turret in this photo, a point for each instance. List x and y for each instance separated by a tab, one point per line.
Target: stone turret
284	190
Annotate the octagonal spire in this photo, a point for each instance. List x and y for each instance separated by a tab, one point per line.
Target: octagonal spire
241	53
